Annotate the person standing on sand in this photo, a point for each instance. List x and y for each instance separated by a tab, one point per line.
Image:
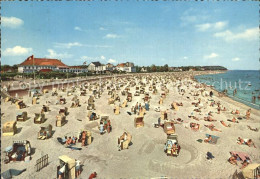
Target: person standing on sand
248	114
211	94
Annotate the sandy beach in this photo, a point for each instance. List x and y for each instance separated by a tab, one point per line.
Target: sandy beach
145	158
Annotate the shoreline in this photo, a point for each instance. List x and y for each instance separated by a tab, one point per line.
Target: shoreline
257	107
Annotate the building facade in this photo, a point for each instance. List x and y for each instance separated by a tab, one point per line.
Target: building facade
32	64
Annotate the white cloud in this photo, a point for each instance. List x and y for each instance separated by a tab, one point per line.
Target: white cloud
53	54
102	28
77	28
77	44
188	16
68	45
212	55
185	58
111	36
11	22
211	26
111	61
235	59
248	34
17	51
102	57
85	58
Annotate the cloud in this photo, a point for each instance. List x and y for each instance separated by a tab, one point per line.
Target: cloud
68	45
102	28
102	57
212	55
17	51
111	36
11	22
188	16
185	58
77	28
111	61
248	34
211	26
53	54
77	44
235	59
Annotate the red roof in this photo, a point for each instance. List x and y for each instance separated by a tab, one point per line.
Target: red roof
121	65
42	62
45	70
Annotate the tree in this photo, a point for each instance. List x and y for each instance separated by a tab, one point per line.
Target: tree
153	68
166	67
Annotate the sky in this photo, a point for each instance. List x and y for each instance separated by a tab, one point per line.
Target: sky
145	33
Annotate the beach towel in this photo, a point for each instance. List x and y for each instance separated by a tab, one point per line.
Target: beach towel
214	139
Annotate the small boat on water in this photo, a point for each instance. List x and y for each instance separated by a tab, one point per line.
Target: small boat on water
249	84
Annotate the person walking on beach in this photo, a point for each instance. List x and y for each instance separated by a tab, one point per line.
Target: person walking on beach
248	114
211	94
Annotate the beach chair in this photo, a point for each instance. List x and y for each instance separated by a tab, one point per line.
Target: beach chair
117	110
124	104
214	139
20	104
39	118
62	101
137	93
163	95
64	111
21	116
142	112
164	115
9	128
169	128
251	171
129	97
111	101
45	91
161	101
124	144
175	107
61	120
172	139
139	122
45	108
45	132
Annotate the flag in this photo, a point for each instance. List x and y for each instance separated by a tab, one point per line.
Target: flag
85	63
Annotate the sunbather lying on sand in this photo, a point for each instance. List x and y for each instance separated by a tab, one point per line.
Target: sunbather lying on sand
252	129
235	112
209	139
212	127
233	120
224	124
244	164
247	142
194	126
209	118
233	160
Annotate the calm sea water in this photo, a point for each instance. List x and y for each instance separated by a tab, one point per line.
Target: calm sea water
247	84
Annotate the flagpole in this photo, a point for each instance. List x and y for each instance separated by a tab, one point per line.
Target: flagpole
33	71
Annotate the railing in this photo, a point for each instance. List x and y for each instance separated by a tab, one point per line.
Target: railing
42	162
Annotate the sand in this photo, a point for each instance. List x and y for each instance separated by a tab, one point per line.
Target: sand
145	158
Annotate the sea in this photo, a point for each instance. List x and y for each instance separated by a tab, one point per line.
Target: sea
246	82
